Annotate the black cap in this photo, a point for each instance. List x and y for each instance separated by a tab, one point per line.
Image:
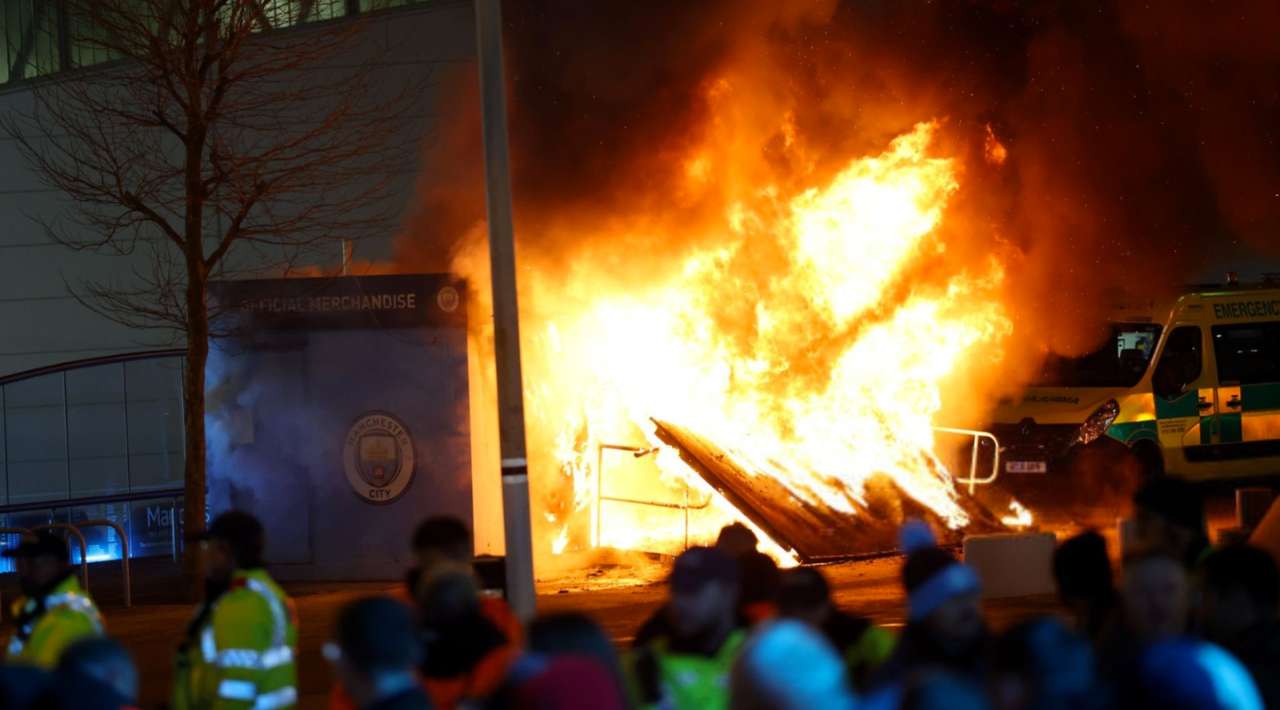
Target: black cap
241	531
378	634
699	566
41	544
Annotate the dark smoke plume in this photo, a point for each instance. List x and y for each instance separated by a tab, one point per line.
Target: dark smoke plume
1142	137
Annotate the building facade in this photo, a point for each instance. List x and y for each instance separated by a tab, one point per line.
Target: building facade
89	408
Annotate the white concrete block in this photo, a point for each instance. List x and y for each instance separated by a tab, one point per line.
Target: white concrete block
1012	564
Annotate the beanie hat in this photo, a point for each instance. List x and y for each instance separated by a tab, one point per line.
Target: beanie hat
700	566
930	574
378	634
793	667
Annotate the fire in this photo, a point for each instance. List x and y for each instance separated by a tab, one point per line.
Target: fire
803	339
1019	517
993	150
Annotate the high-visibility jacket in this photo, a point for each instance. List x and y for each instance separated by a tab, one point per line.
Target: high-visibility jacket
240	652
47	625
668	680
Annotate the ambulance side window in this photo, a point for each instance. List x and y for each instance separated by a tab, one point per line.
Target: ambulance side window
1180	363
1248	353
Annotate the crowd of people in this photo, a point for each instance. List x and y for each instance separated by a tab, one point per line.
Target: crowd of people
1185	626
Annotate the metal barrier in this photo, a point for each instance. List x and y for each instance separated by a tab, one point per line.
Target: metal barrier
597	531
84	549
124	553
597	521
973	481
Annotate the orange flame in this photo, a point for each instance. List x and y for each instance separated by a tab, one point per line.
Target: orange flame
1019	517
801	339
993	150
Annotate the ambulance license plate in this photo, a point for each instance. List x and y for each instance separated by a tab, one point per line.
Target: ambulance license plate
1026	467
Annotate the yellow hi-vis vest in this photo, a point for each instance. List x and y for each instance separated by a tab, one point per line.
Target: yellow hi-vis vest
242	656
68	616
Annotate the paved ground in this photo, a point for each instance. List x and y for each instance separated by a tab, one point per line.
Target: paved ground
609	592
151	628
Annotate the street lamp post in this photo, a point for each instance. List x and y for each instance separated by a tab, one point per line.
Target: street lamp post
506	327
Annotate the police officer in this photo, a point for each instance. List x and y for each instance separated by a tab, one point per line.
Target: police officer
239	647
54	611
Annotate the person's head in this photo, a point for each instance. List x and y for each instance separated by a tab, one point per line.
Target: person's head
736	540
234	540
804	594
448	598
942	690
1169	517
41	560
442	538
703	592
760	578
1040	664
1082	569
788	665
942	594
1241	590
572	634
568	683
101	664
1188	674
1155	596
375	649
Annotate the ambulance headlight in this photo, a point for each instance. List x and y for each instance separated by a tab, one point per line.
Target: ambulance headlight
1096	425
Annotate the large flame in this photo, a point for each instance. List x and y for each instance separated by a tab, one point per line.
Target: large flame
801	341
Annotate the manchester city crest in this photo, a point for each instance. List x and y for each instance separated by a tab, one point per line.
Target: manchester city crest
378	457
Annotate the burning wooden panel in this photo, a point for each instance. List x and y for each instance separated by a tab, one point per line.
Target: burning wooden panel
813	528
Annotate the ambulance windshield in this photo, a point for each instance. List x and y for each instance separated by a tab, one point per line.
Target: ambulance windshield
1120	362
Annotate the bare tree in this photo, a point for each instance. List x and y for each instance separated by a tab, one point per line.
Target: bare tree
206	146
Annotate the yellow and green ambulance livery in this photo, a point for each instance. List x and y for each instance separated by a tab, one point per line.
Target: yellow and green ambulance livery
1193	391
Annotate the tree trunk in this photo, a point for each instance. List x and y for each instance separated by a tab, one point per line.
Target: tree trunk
193	510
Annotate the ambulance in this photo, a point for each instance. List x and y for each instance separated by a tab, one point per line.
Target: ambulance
1191	391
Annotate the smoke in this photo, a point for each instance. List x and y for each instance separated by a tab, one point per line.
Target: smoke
1140	138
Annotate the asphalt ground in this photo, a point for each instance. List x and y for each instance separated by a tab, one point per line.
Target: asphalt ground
619	592
152	628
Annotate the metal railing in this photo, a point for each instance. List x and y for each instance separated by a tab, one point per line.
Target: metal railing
124	552
973	480
84	549
76	528
597	521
